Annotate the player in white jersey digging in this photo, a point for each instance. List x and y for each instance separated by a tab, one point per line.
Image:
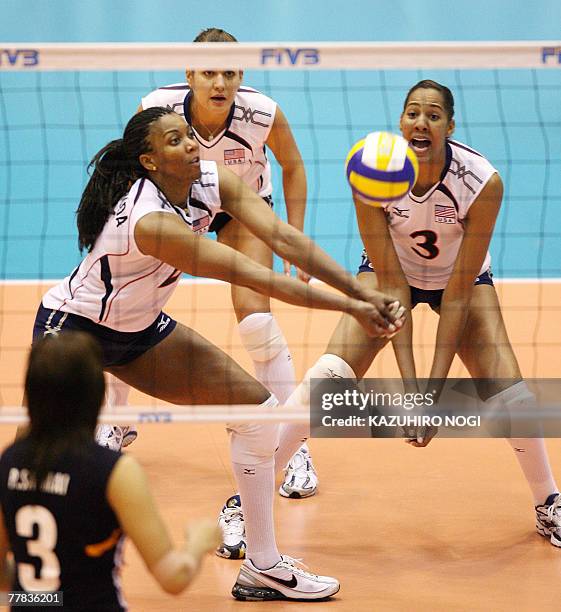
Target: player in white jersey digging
432	246
234	124
139	218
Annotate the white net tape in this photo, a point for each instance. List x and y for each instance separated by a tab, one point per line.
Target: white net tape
181	414
297	55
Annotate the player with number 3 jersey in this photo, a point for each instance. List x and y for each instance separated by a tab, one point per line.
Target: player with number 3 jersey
431	246
427	230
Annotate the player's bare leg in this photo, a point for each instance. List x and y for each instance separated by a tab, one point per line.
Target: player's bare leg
487	354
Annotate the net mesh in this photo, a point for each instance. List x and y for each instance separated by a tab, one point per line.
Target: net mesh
56	114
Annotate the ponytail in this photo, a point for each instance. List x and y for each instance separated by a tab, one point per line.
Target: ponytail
112	176
115	168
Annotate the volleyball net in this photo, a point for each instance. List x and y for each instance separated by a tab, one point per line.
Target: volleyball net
60	103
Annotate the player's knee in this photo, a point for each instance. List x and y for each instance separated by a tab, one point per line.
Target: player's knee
517	397
327	366
518	405
330	366
254	444
261	336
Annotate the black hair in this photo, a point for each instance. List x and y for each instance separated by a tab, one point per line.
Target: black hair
115	168
446	95
214	35
64	390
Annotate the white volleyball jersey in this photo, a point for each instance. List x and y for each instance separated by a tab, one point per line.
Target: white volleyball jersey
427	231
118	286
241	145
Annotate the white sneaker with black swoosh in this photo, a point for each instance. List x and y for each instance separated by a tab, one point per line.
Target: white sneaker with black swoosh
285	580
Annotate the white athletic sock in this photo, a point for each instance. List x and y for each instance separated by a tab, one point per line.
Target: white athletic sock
532	457
530	452
256	485
293	434
252	448
266	345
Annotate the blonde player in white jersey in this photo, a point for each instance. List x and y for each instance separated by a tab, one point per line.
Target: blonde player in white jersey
233	125
432	246
139	218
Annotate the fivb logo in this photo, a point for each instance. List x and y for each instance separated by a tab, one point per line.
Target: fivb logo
284	56
19	58
551	55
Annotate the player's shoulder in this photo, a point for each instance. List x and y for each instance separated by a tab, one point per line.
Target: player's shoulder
250	96
144	193
467	154
10	453
90	456
466	173
170	96
467	163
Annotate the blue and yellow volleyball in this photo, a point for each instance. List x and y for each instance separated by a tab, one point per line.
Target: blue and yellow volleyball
381	168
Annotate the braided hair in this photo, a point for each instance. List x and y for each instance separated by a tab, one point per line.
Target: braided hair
115	168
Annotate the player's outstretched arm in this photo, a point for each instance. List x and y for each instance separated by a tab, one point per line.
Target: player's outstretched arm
167	238
282	144
479	226
289	243
130	497
379	246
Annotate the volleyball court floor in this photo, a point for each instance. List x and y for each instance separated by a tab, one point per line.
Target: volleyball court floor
447	527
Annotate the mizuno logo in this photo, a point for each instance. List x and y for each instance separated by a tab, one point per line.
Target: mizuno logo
332	374
163	323
291	584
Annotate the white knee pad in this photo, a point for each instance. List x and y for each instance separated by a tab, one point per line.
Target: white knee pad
255	444
327	366
261	336
518	404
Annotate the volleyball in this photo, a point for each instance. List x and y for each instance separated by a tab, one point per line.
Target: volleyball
381	168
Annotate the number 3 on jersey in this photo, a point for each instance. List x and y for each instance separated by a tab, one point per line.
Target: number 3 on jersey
42	547
428	245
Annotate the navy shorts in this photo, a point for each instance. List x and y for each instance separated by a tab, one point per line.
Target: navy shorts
118	348
432	297
222	218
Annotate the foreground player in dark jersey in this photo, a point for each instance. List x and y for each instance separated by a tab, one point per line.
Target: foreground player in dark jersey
67	503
